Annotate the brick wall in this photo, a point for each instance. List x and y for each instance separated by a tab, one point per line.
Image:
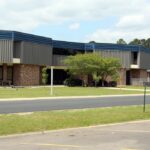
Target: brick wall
138	73
143	73
26	75
122	77
135	73
138	76
4	72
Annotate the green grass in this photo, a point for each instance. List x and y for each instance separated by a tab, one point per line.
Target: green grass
61	91
41	121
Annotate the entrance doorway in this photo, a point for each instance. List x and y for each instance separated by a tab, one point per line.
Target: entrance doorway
128	77
59	76
1	73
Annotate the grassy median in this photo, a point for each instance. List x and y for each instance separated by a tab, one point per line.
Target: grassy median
61	91
41	121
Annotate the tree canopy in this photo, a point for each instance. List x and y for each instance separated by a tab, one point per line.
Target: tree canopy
93	64
121	41
136	41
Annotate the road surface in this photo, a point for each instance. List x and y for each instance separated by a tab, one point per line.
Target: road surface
72	103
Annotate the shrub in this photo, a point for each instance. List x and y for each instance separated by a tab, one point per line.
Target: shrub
112	83
73	82
44	76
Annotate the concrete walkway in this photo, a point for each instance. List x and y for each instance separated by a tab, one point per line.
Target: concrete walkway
69	97
128	89
123	136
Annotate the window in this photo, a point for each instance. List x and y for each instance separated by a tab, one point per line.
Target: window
57	51
134	58
17	50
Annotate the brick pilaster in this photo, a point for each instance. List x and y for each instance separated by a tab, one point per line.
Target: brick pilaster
4	72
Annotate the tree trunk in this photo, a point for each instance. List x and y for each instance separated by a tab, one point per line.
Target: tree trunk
103	83
83	83
96	83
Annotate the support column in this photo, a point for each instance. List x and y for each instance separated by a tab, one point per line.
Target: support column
52	80
122	75
4	72
148	76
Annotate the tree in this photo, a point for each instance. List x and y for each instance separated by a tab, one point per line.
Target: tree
110	69
143	42
135	42
92	64
44	76
96	78
147	43
92	42
82	64
121	41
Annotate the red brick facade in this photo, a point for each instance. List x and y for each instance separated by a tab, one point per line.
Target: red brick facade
26	75
30	75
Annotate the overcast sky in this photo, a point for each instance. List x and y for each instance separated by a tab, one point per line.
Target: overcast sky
78	20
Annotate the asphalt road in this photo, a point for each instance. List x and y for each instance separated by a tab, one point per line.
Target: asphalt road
72	103
125	136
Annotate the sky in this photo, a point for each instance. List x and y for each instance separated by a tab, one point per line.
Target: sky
78	20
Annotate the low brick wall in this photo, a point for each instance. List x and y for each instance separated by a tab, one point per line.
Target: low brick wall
26	75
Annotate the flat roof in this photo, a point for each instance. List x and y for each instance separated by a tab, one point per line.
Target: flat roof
20	36
111	46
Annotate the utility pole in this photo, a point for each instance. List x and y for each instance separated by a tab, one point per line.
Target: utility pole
52	74
144	98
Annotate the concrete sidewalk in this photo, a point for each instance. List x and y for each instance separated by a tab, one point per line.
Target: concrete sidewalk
127	89
122	136
68	97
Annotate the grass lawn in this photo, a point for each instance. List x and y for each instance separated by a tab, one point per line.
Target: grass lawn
41	121
61	91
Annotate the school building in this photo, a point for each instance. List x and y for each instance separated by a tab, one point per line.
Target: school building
22	57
